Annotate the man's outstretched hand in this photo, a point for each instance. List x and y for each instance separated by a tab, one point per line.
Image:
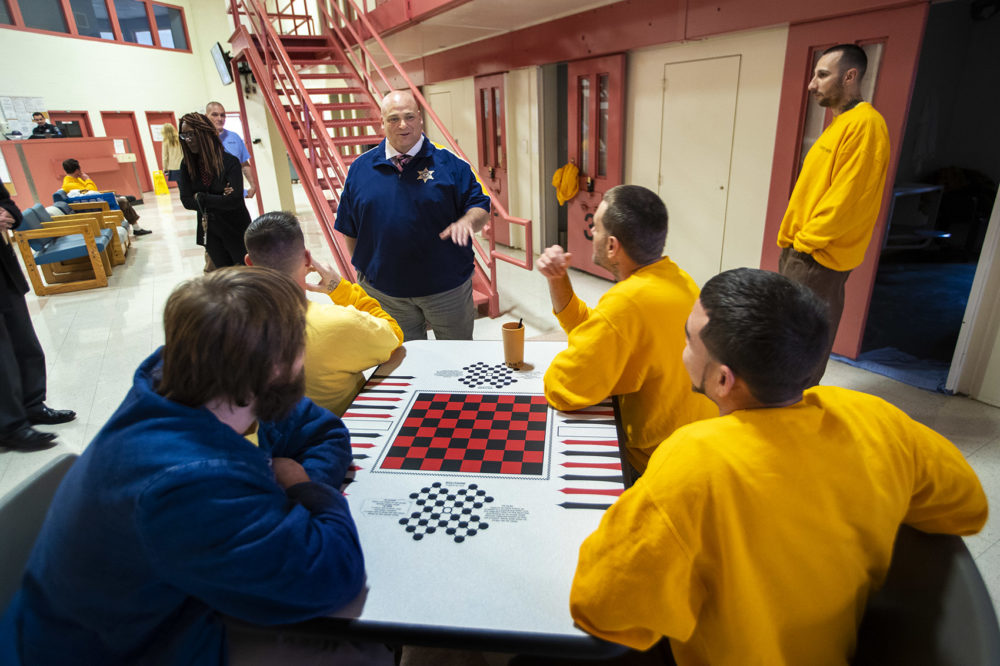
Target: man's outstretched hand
553	262
459	233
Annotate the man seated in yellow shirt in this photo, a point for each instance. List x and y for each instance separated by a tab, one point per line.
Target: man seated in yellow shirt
343	338
630	344
76	179
756	537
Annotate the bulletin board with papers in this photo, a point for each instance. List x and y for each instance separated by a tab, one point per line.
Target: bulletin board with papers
16	113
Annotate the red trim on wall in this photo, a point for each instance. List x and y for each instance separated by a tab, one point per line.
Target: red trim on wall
719	17
394	15
67	11
15	14
153	28
623	26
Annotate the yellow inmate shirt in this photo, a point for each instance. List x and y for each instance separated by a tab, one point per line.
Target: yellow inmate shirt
71	183
835	203
755	538
342	340
630	345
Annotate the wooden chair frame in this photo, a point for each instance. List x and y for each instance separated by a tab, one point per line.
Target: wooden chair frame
104	221
67	280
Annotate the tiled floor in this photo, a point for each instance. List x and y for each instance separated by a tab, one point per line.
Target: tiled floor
95	339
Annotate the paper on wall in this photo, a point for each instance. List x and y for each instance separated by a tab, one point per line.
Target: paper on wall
4	172
119	145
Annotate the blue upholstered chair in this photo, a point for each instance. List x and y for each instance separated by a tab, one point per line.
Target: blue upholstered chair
108	219
91	197
72	254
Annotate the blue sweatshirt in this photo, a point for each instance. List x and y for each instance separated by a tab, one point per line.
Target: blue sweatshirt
170	518
397	218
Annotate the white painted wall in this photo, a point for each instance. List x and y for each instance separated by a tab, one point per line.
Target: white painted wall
455	103
762	55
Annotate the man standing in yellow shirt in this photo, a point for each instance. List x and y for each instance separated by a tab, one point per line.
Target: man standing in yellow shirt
343	338
630	344
756	537
836	200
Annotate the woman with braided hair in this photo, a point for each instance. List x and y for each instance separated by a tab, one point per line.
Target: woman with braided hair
211	182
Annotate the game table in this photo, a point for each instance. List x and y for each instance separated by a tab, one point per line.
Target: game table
472	497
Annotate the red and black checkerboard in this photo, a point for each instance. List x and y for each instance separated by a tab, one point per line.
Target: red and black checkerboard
472	433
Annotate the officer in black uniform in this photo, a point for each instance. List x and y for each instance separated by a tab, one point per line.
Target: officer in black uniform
22	361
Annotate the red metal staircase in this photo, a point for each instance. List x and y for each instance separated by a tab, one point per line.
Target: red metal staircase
321	86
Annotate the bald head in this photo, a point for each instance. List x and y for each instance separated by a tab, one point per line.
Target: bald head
401	120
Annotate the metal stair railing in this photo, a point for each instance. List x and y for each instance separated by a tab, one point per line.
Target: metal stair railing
277	76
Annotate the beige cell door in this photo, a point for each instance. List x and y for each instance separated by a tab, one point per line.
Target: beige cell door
696	144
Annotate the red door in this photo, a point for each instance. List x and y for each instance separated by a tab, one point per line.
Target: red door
596	122
81	118
491	132
122	125
892	40
155	120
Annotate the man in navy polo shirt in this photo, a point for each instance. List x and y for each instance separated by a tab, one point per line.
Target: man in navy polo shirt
409	211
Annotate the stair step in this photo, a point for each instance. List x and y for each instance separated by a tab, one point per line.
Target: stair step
309	48
315	62
348	123
356	90
480	297
302	39
344	106
360	140
326	75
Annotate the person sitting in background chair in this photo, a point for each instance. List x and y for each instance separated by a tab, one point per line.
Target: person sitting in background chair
76	179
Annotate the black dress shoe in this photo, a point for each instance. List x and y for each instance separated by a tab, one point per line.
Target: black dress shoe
141	232
27	438
49	416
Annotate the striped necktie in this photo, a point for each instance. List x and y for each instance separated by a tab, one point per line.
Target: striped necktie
401	161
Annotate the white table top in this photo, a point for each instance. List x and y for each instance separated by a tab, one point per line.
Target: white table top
504	567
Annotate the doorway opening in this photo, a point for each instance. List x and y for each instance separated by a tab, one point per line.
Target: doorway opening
942	198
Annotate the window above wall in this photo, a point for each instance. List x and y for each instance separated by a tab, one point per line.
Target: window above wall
137	22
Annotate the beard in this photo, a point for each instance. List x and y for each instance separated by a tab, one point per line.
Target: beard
600	255
700	389
277	401
833	97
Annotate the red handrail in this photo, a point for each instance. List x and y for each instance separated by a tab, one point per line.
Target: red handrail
323	155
